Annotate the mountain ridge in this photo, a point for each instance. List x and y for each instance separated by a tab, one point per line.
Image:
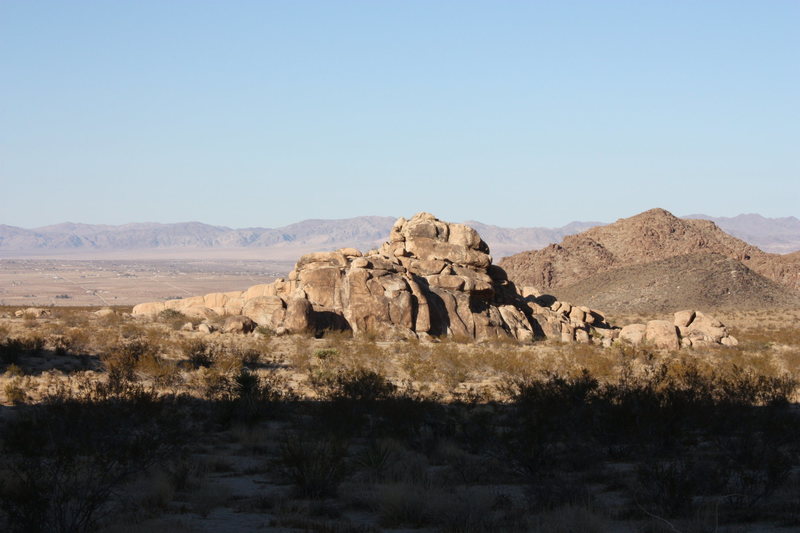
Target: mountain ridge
777	235
653	235
360	232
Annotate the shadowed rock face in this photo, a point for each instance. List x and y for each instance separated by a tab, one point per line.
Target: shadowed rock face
430	278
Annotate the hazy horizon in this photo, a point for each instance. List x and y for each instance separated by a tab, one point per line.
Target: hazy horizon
353	217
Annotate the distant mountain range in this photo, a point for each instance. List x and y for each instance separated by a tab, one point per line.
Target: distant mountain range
360	232
774	235
778	235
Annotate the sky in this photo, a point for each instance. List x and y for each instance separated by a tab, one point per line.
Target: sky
514	113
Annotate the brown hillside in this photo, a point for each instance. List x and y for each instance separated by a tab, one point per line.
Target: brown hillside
695	281
650	236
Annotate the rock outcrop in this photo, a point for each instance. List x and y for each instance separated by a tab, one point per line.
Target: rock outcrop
688	328
430	279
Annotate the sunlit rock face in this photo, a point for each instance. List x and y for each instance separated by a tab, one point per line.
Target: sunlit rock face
431	278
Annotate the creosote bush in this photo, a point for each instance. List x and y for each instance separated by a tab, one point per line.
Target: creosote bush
357	385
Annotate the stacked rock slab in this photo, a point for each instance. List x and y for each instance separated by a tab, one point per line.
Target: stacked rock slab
688	328
431	278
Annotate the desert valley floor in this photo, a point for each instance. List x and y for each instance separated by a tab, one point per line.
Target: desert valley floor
44	281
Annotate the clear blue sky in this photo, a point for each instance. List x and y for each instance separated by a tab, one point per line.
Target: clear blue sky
513	113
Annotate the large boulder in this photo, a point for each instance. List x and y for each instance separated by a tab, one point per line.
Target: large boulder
633	333
662	334
266	311
150	309
699	329
238	324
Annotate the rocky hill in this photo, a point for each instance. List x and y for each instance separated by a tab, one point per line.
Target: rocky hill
694	281
779	235
650	236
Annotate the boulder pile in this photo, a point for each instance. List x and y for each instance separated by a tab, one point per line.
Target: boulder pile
688	328
430	279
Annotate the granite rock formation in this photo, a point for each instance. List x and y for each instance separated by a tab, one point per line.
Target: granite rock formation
431	278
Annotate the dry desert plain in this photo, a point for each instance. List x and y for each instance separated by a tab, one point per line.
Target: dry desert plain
109	280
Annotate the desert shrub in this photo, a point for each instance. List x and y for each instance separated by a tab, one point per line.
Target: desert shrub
198	352
234	355
130	330
668	487
66	457
357	385
78	340
213	384
13	371
61	344
744	387
13	349
163	372
756	466
169	315
254	397
121	361
226	357
377	459
315	466
249	356
549	408
15	393
324	354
